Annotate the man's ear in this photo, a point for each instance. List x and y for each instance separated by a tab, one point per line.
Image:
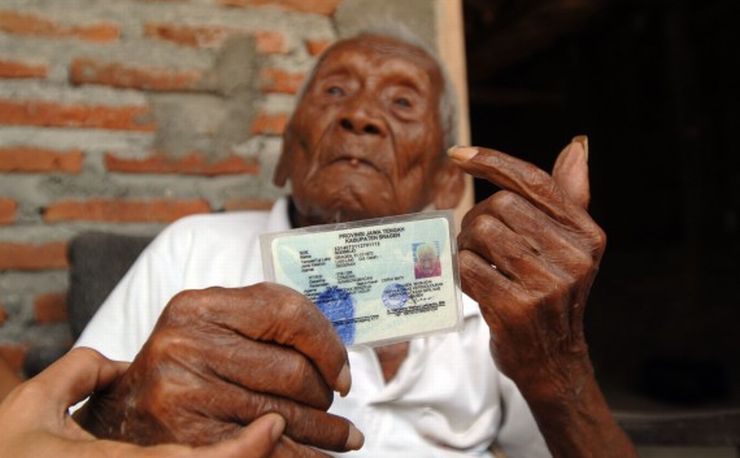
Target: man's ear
449	185
282	170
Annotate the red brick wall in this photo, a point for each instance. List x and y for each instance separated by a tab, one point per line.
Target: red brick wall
92	104
124	115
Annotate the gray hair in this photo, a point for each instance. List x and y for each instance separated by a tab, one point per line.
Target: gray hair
448	103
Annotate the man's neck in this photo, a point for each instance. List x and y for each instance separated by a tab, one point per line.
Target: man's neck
297	219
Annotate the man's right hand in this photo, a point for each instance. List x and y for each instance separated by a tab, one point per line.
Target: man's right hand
221	357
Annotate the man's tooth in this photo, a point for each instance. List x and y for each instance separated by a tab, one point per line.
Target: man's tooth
354	161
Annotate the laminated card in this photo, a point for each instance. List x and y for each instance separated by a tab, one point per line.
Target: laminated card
378	281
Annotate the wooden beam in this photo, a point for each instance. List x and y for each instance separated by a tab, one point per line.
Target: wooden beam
451	45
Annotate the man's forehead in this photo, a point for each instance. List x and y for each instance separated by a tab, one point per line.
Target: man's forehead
380	48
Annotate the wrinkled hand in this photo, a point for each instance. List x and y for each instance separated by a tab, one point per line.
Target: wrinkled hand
528	255
221	357
34	420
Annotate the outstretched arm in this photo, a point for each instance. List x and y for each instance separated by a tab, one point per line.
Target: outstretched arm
529	255
34	420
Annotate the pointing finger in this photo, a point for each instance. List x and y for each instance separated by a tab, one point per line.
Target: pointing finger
522	178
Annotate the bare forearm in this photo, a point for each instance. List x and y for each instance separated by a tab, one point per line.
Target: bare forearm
574	418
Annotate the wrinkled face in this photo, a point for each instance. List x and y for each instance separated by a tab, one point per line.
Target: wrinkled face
427	262
366	138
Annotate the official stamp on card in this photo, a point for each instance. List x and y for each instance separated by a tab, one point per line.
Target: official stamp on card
378	281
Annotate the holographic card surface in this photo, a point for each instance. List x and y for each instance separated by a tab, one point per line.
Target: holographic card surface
378	281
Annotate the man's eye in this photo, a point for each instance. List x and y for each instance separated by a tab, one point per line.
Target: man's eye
402	102
335	91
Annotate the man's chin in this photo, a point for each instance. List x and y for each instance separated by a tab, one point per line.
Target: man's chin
344	210
342	206
335	197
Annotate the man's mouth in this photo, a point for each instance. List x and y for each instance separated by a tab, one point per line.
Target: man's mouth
354	162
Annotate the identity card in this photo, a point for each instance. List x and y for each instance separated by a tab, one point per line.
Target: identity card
378	281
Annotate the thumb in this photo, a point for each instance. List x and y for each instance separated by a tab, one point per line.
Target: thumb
254	441
571	171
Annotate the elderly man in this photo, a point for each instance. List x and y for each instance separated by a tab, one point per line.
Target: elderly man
213	348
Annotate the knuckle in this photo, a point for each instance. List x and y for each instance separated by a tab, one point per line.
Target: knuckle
270	288
292	310
482	225
164	344
292	303
304	380
503	201
262	287
467	218
189	305
599	239
582	263
181	302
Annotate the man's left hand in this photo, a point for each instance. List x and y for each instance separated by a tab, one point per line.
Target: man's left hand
528	255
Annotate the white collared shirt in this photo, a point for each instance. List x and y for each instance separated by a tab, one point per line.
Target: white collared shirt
447	399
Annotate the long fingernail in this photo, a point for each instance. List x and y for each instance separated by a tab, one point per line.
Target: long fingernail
462	154
278	426
344	380
583	140
355	438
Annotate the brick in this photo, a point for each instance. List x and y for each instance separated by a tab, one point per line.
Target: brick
50	307
316	47
52	114
193	36
30	24
22	256
281	81
29	159
88	71
270	42
8	207
210	36
14	355
3	315
124	211
192	164
269	124
325	7
237	204
18	69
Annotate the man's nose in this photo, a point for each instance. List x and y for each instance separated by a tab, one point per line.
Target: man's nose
359	120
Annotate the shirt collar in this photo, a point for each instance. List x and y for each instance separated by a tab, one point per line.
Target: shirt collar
278	219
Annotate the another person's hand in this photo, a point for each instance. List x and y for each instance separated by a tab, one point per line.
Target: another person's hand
218	359
34	420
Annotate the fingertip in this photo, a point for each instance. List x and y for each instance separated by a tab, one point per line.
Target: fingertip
462	154
355	439
278	426
583	141
257	439
344	380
